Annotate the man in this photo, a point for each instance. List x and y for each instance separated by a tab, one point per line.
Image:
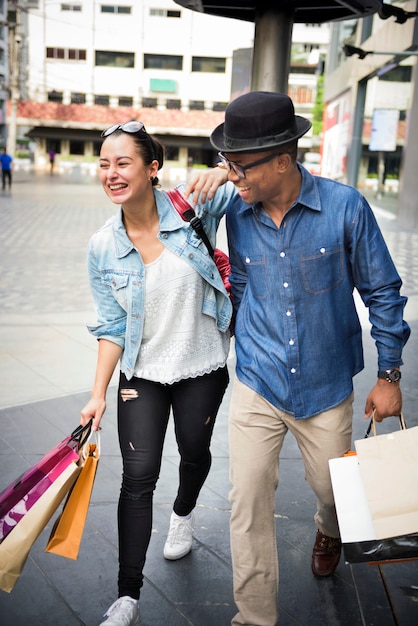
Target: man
6	169
299	245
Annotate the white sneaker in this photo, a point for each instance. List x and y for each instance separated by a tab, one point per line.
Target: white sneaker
180	537
123	612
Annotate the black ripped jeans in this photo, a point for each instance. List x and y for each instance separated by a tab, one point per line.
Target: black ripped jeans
143	412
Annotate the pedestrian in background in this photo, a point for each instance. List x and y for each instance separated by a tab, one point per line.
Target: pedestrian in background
299	245
51	155
6	162
164	313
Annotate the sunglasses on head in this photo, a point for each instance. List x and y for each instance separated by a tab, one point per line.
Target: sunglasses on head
127	127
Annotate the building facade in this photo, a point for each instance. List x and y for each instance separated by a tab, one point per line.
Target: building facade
370	105
92	63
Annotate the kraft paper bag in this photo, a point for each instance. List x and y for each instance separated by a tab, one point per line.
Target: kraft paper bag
389	472
15	548
68	529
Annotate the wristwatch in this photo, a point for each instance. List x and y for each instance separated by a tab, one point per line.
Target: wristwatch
392	375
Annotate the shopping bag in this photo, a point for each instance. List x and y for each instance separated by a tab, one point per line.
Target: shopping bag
364	540
68	529
19	510
389	471
18	497
15	548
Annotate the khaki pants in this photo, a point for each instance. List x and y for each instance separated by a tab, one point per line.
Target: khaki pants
256	434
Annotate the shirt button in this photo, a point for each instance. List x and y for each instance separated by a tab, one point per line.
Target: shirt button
322	250
164	235
285	285
247	259
291	342
282	254
288	313
293	371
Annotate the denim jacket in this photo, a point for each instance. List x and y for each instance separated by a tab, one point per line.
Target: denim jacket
297	334
117	273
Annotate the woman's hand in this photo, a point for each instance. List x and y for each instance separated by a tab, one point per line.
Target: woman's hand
93	409
204	183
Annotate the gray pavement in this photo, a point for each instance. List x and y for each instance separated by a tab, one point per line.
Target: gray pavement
47	362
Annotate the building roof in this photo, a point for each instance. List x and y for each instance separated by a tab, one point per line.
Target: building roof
96	118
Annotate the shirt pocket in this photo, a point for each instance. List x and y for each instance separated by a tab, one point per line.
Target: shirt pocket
323	270
257	275
118	283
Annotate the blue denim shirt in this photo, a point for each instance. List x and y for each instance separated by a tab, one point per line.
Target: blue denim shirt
117	273
297	334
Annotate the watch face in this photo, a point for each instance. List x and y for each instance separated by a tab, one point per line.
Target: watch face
394	376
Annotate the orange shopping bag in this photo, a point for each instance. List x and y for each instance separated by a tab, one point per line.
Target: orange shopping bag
68	529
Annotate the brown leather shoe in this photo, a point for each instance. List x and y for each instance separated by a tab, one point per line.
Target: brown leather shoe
325	555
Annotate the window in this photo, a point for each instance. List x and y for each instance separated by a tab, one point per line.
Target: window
70	7
53	144
105	58
76	147
400	74
219	106
149	103
164	13
196	105
173	104
171	153
77	55
66	54
78	98
96	148
303	69
109	8
301	94
162	62
55	96
209	64
125	101
103	100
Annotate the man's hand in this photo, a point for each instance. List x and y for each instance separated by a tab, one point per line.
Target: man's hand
385	399
204	183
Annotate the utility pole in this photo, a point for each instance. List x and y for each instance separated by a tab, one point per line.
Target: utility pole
15	41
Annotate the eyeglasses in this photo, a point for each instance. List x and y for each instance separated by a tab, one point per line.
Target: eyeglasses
127	127
241	169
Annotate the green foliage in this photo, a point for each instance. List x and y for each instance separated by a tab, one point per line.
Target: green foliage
318	109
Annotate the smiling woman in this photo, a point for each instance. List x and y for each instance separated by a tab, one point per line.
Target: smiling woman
148	270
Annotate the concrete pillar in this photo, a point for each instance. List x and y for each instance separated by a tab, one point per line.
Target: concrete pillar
408	194
272	47
356	147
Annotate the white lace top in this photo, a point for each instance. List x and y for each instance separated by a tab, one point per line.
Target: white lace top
178	340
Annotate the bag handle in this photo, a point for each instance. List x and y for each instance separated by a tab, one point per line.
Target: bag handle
187	213
372	425
81	434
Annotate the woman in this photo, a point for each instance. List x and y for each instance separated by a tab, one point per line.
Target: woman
163	312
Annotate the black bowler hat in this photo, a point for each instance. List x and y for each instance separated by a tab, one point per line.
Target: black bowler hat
257	121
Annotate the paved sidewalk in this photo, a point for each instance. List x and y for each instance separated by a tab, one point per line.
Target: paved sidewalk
47	362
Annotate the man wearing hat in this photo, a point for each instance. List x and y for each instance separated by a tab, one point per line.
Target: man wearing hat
299	245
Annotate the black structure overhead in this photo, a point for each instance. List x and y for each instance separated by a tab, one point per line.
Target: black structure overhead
303	11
